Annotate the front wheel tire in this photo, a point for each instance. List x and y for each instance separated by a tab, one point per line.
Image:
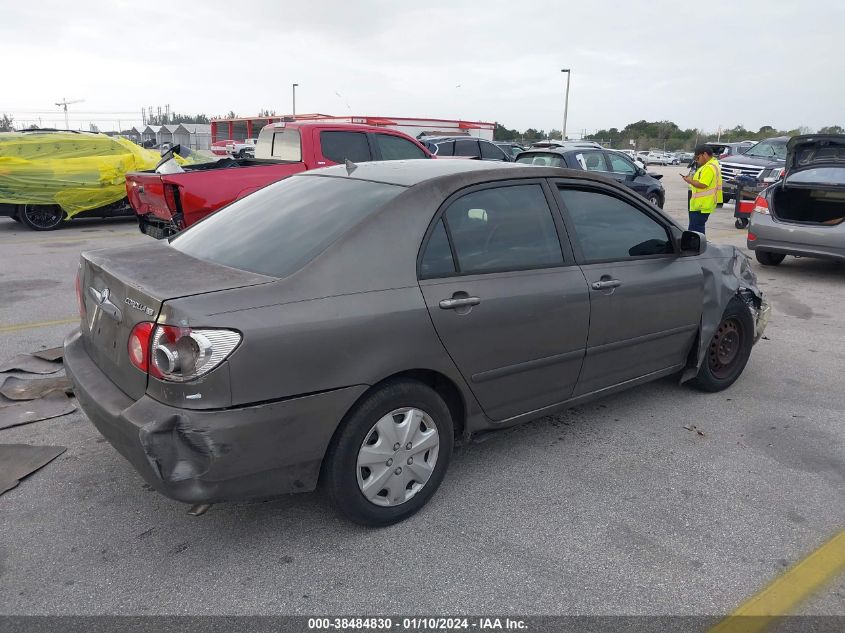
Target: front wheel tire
728	350
769	259
390	454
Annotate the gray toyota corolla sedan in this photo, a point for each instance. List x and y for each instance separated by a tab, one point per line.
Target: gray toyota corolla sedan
348	324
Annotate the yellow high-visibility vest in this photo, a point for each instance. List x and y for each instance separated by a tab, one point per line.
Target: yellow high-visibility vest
705	200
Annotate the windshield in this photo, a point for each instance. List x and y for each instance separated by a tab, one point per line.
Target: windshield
768	149
544	159
277	230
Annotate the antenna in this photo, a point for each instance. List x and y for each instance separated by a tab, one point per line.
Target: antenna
64	103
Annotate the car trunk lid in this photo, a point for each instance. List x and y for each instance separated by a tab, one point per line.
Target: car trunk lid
122	287
815	161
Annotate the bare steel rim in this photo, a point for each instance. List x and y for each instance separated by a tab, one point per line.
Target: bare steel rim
397	457
725	346
43	216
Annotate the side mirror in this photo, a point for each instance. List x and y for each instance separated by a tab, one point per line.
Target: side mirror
692	243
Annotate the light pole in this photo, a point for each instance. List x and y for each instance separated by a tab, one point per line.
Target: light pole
566	103
294	99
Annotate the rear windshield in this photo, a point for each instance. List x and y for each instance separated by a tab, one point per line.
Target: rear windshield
541	158
768	149
277	230
819	176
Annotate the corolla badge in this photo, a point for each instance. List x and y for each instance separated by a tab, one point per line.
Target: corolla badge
138	306
102	302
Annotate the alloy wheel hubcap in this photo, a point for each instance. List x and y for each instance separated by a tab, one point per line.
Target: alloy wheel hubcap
397	457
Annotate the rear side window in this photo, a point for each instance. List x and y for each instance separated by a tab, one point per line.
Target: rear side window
277	230
437	259
339	147
446	148
397	148
608	228
542	159
503	228
467	148
491	152
592	161
287	146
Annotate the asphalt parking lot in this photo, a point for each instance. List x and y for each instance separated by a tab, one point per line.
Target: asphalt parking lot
610	508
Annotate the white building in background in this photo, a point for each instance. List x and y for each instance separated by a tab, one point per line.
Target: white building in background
151	134
193	135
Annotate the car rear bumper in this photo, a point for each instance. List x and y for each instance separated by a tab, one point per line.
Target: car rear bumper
821	242
212	455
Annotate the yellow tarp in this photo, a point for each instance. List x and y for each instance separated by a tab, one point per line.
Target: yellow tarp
78	172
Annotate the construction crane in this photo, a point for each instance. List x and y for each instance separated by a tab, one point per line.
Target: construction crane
64	103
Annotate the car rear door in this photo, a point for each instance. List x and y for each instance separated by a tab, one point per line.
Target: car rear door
505	296
645	300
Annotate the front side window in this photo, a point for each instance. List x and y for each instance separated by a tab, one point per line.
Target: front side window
619	165
592	161
467	148
339	147
503	228
397	148
278	229
608	228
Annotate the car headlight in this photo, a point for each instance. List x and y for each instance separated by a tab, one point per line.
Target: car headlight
774	174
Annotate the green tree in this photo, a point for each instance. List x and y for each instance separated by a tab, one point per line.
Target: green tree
6	121
832	129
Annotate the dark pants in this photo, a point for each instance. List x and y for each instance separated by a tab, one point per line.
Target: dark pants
697	220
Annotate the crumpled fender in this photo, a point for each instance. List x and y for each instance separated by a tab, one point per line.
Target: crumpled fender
727	273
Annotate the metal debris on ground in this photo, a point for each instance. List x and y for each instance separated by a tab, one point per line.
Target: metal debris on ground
20	460
52	405
29	389
53	354
30	364
692	427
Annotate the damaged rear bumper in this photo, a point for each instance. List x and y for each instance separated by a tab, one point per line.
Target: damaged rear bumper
207	456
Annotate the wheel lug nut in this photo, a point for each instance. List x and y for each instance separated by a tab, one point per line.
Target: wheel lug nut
390	462
396	446
408	446
398	471
410	461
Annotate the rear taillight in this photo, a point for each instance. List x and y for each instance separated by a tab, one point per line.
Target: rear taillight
761	205
139	345
80	300
179	354
171	198
751	236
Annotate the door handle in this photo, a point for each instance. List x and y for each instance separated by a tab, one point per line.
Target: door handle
451	304
605	284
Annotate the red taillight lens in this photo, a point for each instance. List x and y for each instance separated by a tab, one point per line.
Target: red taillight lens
80	300
751	236
139	345
761	205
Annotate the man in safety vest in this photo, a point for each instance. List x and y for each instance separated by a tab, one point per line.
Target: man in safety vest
705	188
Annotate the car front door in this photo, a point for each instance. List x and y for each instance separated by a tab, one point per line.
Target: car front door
645	300
625	172
508	302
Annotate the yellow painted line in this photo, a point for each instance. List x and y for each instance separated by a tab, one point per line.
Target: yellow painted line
4	329
788	590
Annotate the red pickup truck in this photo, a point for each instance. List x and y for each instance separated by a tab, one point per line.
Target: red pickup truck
166	203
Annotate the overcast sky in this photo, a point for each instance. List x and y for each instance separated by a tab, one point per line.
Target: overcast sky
700	64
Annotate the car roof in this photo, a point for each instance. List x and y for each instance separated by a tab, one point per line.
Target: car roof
441	139
407	173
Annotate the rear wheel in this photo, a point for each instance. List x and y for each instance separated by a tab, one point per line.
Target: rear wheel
41	217
768	258
729	349
741	223
390	454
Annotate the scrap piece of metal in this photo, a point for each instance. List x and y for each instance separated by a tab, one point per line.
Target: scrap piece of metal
30	364
15	388
198	509
53	354
21	460
52	405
